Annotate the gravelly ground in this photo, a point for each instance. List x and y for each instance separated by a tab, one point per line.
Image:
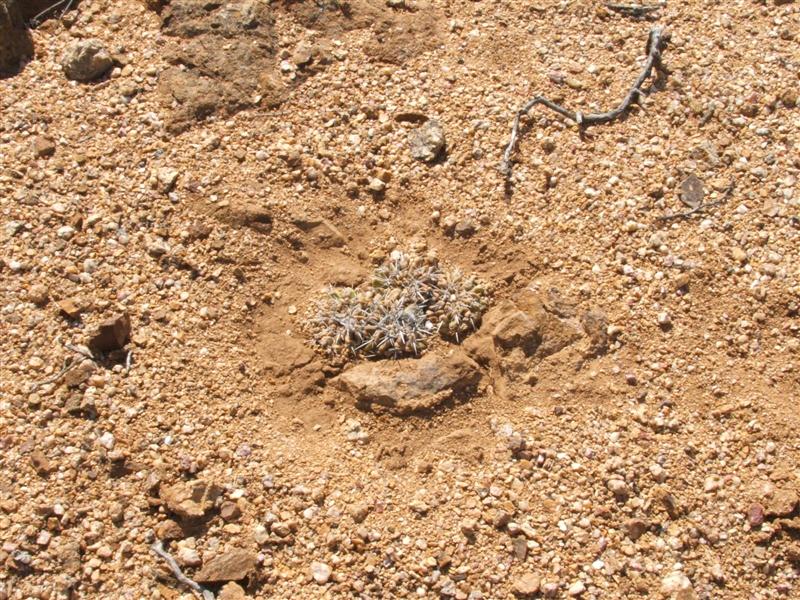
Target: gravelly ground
665	464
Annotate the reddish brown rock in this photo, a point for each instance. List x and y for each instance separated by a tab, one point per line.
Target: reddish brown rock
190	500
404	386
233	565
111	334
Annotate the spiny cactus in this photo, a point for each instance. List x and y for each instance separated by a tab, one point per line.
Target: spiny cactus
407	300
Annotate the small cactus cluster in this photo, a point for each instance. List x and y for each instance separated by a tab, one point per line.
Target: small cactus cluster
407	301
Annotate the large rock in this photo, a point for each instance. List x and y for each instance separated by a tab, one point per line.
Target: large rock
189	500
15	41
233	565
204	79
409	385
86	60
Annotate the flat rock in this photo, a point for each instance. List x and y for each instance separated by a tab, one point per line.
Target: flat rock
408	385
321	232
189	500
232	565
86	60
427	141
204	80
112	334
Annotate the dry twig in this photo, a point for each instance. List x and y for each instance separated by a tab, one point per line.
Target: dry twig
202	592
35	20
634	10
699	208
68	365
656	42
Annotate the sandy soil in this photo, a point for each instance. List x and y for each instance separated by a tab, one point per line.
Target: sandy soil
647	450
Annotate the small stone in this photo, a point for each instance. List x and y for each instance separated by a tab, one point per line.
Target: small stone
43	147
320	572
230	511
469	528
166	179
675	583
169	530
717	574
38	294
107	440
189	500
359	512
65	232
465	228
376	186
619	488
635	528
40	462
427	142
187	555
233	565
231	591
520	546
527	585
576	589
302	55
86	60
692	191
755	515
111	334
71	307
664	319
739	255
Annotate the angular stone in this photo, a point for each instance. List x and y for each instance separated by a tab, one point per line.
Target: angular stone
111	334
43	146
85	60
427	142
404	386
71	307
189	500
233	565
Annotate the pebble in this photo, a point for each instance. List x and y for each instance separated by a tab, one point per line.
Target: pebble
321	572
527	585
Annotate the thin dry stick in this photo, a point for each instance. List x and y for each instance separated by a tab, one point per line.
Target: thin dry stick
634	10
656	42
203	593
35	19
68	365
699	208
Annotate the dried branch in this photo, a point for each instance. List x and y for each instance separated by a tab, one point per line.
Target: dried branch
203	593
634	10
34	21
656	42
68	366
699	208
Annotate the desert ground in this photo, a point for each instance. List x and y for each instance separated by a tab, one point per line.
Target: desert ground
184	183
